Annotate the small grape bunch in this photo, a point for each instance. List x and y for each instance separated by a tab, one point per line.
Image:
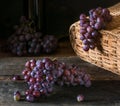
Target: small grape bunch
73	76
91	25
99	18
41	76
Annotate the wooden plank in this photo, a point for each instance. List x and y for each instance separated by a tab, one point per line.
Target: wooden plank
15	65
103	93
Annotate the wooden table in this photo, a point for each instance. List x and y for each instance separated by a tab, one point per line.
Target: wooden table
105	89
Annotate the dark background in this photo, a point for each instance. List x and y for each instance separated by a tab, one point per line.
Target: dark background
59	14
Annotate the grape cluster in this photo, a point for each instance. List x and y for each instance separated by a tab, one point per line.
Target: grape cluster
26	40
90	26
41	76
73	76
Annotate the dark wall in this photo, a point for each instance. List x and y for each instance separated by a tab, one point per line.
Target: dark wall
10	11
59	14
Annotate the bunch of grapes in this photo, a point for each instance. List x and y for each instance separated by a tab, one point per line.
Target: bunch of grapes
41	76
26	40
90	26
73	76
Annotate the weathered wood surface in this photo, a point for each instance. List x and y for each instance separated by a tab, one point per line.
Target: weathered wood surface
101	93
15	65
105	89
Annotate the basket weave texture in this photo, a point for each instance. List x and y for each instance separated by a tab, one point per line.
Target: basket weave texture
109	58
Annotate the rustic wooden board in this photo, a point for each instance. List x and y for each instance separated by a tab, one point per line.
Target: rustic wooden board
102	93
15	65
105	89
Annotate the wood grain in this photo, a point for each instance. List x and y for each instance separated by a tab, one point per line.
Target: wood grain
102	93
14	66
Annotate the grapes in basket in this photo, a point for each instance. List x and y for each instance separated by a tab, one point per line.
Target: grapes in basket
91	25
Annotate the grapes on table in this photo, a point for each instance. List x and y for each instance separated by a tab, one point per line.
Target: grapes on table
16	78
27	40
17	96
43	74
91	25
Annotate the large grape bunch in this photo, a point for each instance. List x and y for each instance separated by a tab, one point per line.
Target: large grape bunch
91	25
26	40
41	76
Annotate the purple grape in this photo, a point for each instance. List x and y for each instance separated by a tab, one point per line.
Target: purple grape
30	98
16	78
89	29
91	11
82	22
99	20
105	11
85	25
82	37
17	97
80	98
92	23
85	42
86	47
91	41
98	26
82	16
82	31
17	92
88	83
88	35
95	14
36	93
94	33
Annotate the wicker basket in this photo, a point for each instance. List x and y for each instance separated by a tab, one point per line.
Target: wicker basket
109	58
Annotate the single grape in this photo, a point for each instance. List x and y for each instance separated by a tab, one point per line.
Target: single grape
36	93
89	29
30	98
82	16
80	98
82	37
16	78
94	33
85	42
86	47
